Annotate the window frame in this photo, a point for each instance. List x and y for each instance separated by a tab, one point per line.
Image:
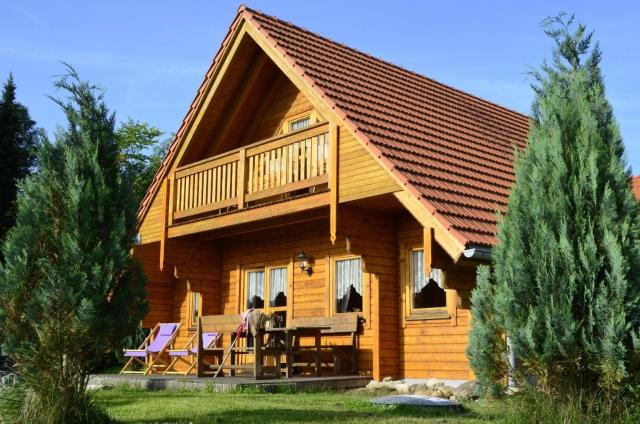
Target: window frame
267	309
311	114
438	312
193	324
366	297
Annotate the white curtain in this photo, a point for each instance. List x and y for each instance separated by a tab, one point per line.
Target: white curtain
277	283
255	286
417	272
348	273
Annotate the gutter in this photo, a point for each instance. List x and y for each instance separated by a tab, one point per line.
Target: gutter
481	253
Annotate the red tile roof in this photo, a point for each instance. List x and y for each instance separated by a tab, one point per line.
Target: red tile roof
636	186
452	150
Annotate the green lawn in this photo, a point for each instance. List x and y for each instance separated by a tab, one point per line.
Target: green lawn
137	406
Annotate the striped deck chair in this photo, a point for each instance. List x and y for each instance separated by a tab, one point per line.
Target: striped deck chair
189	354
150	351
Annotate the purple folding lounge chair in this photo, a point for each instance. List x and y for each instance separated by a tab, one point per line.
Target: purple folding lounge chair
189	354
150	351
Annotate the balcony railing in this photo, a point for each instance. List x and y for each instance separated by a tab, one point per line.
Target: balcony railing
269	168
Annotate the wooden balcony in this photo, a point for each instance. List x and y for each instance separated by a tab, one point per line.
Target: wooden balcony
280	167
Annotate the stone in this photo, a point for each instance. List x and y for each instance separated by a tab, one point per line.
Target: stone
424	391
466	391
415	400
374	385
433	383
391	385
444	392
403	388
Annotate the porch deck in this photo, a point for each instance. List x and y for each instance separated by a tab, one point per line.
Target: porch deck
223	384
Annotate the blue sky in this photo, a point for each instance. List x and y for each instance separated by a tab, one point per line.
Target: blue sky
150	56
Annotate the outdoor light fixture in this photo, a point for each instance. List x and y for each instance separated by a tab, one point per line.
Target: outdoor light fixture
303	263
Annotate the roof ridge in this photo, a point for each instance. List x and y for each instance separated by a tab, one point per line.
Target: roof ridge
386	62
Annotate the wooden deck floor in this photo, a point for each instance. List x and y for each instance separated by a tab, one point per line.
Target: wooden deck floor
222	384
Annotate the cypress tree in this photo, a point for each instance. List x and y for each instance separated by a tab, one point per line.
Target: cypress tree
566	270
69	288
19	137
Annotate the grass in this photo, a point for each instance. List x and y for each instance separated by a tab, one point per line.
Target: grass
352	407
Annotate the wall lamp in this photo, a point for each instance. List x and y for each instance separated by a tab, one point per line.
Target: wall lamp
304	264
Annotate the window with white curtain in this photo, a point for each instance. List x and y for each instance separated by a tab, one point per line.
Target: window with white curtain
255	289
348	285
278	287
426	292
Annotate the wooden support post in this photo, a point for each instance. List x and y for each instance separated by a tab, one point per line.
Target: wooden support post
172	198
333	182
452	305
163	235
375	325
242	177
257	349
199	359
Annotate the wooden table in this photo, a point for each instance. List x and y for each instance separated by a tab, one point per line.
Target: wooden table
292	336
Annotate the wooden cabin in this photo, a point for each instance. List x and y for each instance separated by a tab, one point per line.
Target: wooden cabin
309	179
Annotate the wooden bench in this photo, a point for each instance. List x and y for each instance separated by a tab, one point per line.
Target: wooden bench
227	325
333	355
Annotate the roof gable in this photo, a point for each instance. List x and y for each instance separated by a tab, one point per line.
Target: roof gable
452	151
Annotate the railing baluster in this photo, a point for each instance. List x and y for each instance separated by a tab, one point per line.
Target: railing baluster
274	168
187	199
308	156
290	164
296	157
178	193
263	159
314	156
303	160
320	155
209	187
216	174
233	180
198	189
250	176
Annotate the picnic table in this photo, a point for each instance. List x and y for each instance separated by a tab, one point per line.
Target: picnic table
291	337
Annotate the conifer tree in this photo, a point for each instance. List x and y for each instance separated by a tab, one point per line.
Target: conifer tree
566	269
18	140
69	289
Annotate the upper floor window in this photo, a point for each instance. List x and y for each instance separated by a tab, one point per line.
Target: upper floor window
300	123
348	285
426	291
